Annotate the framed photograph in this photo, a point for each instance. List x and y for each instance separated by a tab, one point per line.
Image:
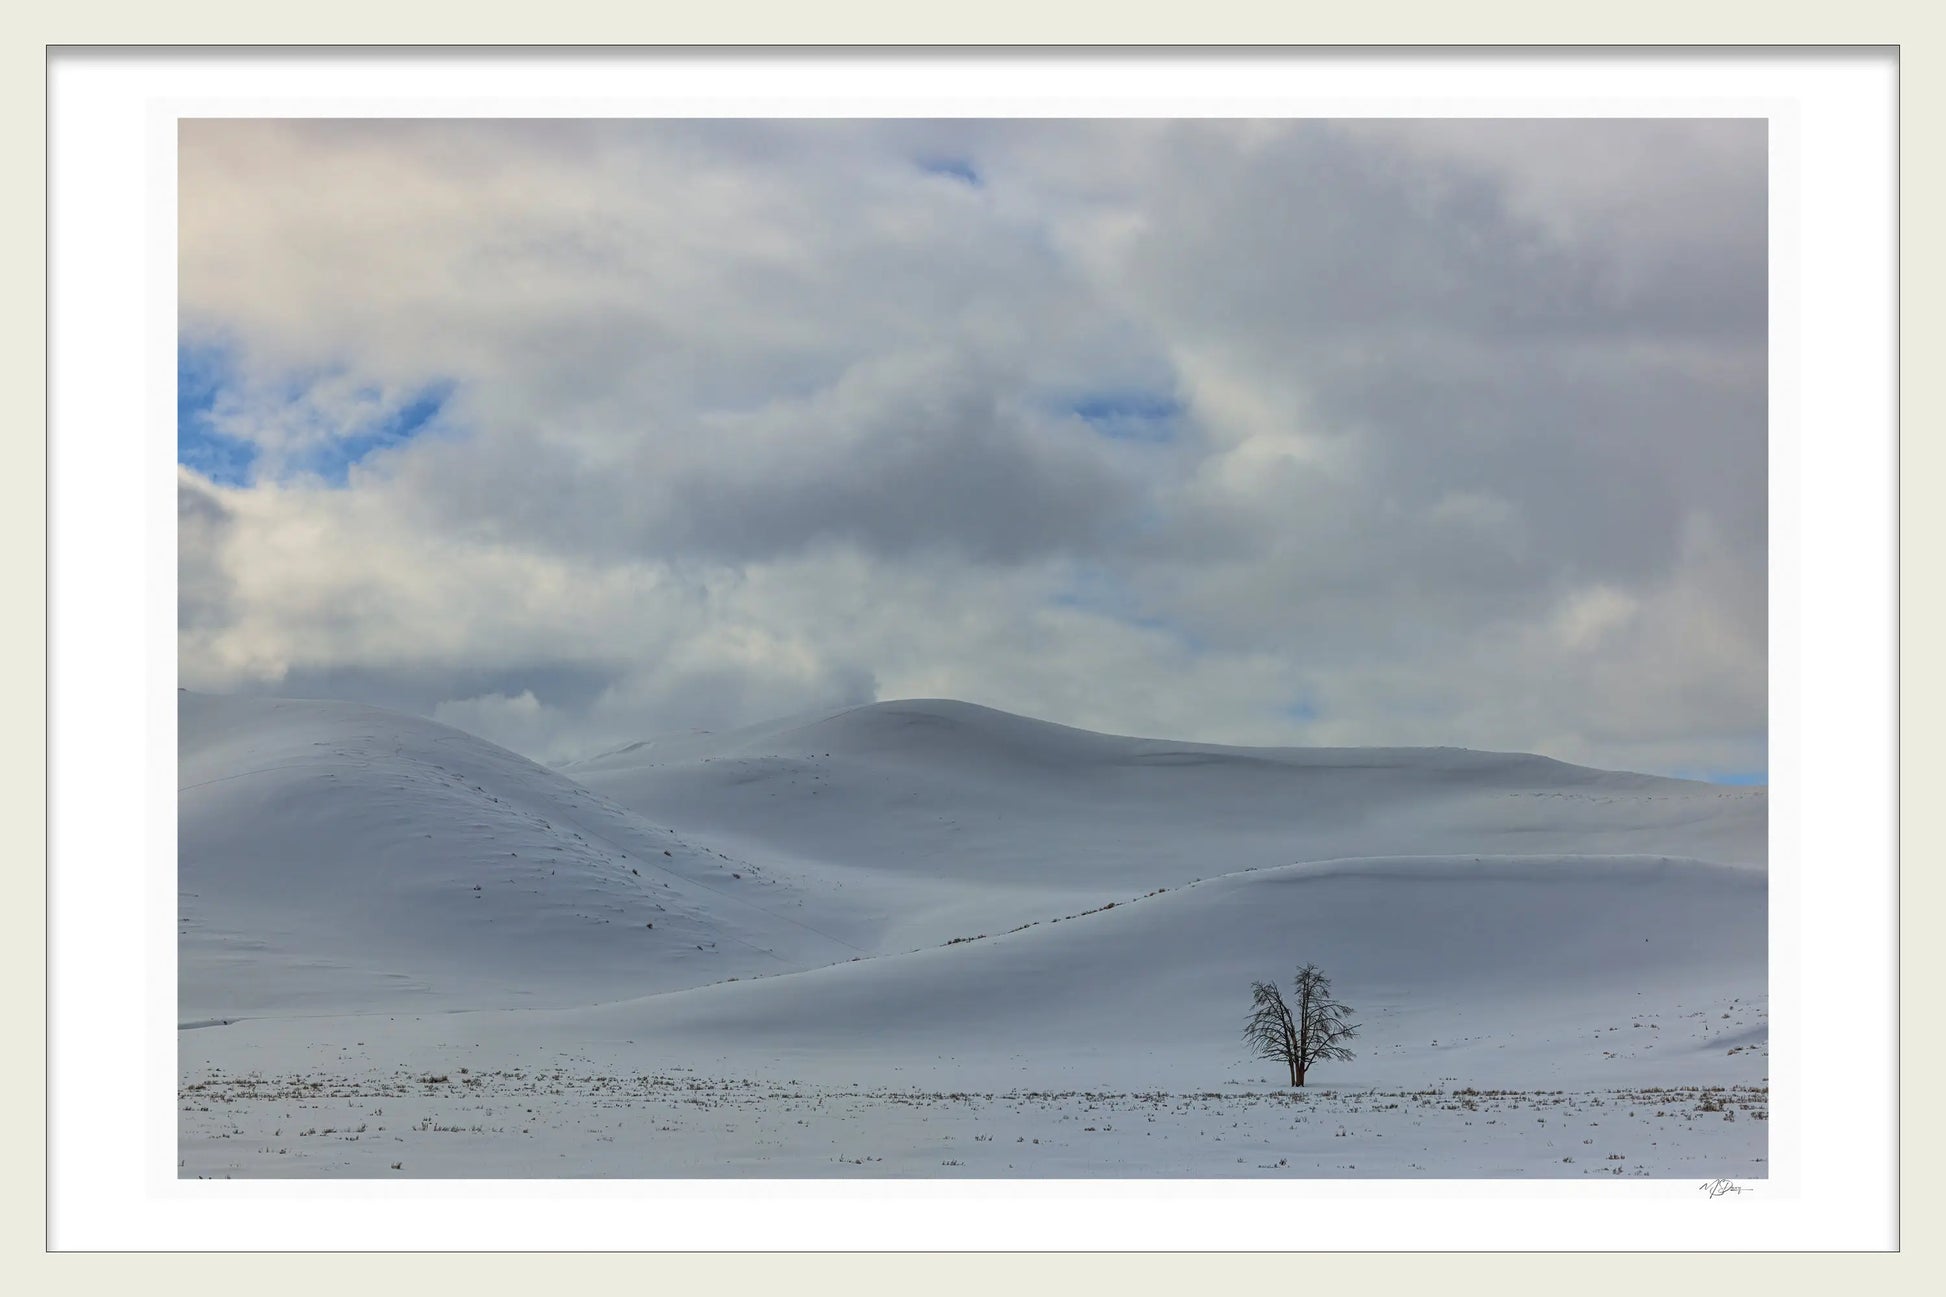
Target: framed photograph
887	641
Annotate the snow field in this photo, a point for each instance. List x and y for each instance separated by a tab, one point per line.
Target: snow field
932	899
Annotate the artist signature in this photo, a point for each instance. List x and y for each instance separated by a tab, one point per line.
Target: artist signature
1717	1188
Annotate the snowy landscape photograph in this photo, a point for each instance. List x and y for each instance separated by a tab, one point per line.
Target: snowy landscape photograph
973	649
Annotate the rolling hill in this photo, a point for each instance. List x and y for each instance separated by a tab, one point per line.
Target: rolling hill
931	893
334	857
946	819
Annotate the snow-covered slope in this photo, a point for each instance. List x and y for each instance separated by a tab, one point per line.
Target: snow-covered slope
927	898
959	818
1510	972
1519	973
334	857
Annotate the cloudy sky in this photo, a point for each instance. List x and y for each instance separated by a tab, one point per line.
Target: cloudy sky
571	433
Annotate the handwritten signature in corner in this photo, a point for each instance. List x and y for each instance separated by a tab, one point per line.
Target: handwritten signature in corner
1717	1188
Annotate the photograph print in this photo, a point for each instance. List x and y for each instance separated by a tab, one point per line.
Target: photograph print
972	649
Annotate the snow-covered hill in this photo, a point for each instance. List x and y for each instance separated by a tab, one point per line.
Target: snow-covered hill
966	819
940	895
1512	972
334	857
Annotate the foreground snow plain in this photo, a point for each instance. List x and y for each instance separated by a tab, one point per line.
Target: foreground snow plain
914	938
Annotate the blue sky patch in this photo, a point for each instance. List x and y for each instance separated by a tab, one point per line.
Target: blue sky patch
332	460
1131	415
210	392
226	461
202	374
954	168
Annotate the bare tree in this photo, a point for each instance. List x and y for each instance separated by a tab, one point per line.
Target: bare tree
1303	1031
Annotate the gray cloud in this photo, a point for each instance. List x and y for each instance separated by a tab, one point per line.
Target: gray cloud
204	589
914	454
1449	431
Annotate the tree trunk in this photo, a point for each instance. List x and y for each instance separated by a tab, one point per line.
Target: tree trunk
1298	1070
